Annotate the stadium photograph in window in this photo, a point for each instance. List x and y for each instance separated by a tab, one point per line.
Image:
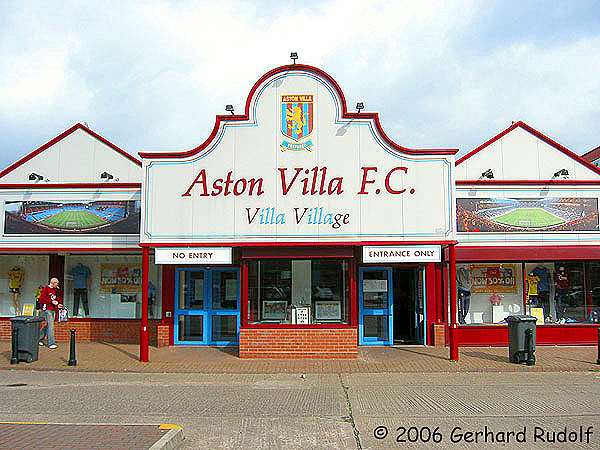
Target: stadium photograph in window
86	217
507	215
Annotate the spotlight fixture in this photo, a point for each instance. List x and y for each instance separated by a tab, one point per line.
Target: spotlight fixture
488	174
229	108
561	172
106	176
360	106
35	177
294	56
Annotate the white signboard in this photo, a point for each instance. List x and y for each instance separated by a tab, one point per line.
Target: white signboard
301	316
298	170
193	255
402	254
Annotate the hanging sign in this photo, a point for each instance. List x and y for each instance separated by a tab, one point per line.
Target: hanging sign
193	255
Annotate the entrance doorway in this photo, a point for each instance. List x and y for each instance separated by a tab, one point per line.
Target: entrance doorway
207	306
391	305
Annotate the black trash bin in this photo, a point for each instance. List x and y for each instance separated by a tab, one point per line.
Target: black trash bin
28	337
521	339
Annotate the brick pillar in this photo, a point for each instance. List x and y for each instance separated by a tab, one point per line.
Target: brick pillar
162	335
439	334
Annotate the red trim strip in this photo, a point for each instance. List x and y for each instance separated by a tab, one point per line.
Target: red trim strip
69	249
537	134
497	335
528	253
484	182
221	119
60	137
298	327
289	244
71	185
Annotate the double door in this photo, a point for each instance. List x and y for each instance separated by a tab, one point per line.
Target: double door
207	306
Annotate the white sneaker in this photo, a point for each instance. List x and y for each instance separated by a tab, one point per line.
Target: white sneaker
41	343
53	346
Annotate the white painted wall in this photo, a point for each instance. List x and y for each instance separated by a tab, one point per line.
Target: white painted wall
252	149
519	155
78	158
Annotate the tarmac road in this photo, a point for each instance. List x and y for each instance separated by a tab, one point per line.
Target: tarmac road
322	411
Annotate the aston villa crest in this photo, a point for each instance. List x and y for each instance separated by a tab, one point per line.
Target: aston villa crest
297	112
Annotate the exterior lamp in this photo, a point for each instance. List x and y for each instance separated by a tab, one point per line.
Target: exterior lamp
360	106
106	176
229	108
488	174
35	177
563	172
294	56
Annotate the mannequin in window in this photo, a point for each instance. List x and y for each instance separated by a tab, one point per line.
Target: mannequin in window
464	283
151	298
81	285
544	290
16	275
532	289
562	285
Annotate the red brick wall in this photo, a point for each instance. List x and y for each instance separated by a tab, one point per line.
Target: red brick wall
298	343
118	331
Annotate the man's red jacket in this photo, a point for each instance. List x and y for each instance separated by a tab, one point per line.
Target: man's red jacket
46	296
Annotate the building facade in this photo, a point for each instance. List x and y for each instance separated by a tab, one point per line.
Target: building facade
299	229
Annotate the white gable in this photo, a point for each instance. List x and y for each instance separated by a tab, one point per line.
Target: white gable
519	155
77	158
341	182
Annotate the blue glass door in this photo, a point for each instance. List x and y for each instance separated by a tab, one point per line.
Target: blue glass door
207	306
375	302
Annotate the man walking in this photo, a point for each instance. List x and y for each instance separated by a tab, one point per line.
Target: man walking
50	302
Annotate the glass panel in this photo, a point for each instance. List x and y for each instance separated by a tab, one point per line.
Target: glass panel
194	290
298	291
488	292
191	328
224	328
375	289
21	277
224	290
375	327
569	293
593	270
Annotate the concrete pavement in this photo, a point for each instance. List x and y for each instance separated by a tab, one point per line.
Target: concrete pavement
317	411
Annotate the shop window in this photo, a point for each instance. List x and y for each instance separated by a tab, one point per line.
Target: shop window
20	278
110	286
488	292
298	291
556	292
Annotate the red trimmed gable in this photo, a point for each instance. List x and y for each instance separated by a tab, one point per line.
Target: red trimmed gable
521	153
593	156
81	147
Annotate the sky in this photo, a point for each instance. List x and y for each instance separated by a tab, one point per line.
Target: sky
152	75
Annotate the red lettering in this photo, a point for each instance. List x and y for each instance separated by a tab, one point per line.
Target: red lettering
365	181
200	179
388	187
285	188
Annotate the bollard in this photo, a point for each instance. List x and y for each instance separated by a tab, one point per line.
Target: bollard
72	359
14	359
529	346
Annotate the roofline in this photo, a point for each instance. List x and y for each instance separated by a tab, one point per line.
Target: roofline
592	155
539	135
60	137
221	119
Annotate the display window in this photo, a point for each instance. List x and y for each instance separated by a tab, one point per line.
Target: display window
21	277
298	291
488	292
110	286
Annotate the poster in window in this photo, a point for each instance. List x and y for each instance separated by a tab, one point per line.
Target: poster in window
328	311
73	217
117	278
274	310
375	285
494	278
509	215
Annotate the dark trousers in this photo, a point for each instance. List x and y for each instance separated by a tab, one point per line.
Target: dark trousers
464	303
80	295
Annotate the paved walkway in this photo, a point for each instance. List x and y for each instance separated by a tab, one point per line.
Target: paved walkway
108	357
51	436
